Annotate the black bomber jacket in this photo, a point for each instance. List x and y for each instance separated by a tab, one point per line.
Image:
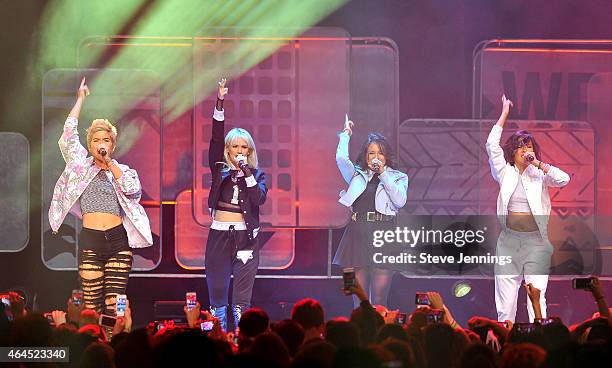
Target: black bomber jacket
249	198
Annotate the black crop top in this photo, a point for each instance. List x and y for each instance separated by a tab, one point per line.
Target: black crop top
229	193
366	201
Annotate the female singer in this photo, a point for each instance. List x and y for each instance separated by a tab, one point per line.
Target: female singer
238	190
523	207
376	192
106	195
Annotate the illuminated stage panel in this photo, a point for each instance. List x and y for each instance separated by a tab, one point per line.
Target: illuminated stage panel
546	79
15	189
262	101
139	146
372	86
324	80
295	121
276	245
189	236
324	99
449	174
171	59
599	115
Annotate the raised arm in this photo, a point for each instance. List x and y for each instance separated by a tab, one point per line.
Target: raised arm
497	162
534	297
600	299
345	165
437	303
69	143
217	143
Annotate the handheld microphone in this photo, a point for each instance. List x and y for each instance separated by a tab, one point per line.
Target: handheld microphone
376	163
529	157
242	162
102	151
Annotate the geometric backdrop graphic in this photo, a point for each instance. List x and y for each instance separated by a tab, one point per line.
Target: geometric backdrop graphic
447	163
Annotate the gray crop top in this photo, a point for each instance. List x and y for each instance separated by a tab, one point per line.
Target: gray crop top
100	196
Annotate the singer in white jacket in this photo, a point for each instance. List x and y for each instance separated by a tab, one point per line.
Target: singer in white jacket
523	208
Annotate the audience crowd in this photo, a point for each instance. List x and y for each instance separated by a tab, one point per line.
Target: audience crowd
371	337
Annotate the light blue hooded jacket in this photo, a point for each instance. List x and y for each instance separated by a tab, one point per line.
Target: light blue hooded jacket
391	193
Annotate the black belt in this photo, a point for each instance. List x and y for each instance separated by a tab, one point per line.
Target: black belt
371	217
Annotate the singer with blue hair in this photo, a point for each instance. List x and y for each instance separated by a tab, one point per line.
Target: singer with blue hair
237	191
375	194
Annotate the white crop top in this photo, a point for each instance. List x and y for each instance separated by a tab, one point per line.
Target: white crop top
518	200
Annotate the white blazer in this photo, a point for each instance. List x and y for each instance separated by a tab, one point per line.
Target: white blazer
535	182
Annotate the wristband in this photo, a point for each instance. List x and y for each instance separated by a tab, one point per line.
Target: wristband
219	104
539	163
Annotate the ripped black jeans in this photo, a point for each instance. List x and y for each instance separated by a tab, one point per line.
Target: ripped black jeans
105	262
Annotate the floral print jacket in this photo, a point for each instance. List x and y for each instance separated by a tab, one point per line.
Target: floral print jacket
79	172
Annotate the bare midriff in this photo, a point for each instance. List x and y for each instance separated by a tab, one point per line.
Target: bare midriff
100	221
521	221
226	216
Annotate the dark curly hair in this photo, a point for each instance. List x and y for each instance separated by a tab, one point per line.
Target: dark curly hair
385	148
518	140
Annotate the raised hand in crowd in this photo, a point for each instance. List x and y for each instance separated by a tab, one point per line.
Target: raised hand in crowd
391	316
579	330
358	291
59	317
499	328
534	296
436	302
192	315
600	299
73	312
17	304
217	331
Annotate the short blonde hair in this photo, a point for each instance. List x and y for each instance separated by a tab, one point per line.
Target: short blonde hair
101	125
232	136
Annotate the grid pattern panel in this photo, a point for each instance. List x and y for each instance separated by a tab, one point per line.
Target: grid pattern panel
262	101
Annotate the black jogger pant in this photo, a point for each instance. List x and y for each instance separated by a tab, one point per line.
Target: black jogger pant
227	252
